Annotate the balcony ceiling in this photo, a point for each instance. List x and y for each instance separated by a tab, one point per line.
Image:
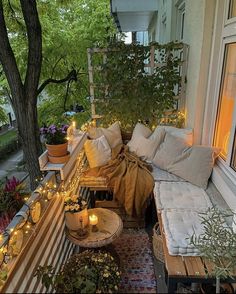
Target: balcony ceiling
133	15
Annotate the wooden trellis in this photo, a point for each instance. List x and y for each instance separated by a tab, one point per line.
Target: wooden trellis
181	50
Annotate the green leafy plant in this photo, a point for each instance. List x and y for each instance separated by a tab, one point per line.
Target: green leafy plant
217	243
128	92
86	272
12	195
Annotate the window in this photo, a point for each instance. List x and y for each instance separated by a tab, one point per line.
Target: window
232	9
226	101
180	18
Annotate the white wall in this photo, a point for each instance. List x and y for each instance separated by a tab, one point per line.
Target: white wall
198	31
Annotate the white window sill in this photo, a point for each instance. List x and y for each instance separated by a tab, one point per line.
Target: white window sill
225	182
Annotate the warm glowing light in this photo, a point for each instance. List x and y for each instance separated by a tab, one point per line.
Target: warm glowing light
26	198
28	226
54	186
73	124
68	138
15	233
11	230
93	219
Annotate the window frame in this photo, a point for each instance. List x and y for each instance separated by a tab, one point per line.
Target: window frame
180	13
223	176
226	41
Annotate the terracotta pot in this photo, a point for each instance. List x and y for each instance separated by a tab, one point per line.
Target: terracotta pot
72	219
59	159
57	150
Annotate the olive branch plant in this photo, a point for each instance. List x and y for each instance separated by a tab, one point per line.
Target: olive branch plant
217	243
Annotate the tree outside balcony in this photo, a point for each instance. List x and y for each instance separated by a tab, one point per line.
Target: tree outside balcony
44	44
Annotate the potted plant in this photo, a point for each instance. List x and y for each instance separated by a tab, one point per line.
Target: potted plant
56	142
86	272
76	213
217	244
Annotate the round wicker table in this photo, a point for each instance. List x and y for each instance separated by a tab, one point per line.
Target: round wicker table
109	228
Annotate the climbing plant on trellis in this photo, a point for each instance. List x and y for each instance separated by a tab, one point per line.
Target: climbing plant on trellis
134	83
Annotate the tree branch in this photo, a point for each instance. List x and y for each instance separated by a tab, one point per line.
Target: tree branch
13	13
55	65
34	34
7	58
71	76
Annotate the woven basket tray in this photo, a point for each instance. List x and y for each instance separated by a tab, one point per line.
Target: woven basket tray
157	243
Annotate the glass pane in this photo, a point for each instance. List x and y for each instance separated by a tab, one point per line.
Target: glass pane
232	9
226	101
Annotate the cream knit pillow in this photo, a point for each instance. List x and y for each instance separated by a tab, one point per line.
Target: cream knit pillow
112	134
98	151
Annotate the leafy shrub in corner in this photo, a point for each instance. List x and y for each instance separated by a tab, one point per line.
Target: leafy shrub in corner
86	272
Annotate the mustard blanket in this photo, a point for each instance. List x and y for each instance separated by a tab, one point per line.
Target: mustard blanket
129	178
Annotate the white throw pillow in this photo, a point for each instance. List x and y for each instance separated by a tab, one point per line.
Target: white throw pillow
98	151
146	147
185	134
112	134
195	165
169	150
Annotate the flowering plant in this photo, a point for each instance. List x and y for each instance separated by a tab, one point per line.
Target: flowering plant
86	272
12	197
54	135
74	203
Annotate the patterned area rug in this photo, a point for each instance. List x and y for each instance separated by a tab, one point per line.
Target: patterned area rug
136	261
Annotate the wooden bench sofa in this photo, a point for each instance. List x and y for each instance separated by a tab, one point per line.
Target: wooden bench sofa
178	268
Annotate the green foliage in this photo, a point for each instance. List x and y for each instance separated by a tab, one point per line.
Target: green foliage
217	243
12	195
7	137
68	29
133	94
81	118
3	116
86	272
8	143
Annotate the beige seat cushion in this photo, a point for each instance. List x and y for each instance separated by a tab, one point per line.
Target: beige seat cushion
169	150
98	151
146	147
195	165
112	134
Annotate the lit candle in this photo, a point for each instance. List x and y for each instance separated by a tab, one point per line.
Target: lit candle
93	220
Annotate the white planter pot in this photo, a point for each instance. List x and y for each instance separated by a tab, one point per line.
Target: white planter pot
72	219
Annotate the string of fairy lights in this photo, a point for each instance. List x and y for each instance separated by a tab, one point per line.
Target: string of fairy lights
11	240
